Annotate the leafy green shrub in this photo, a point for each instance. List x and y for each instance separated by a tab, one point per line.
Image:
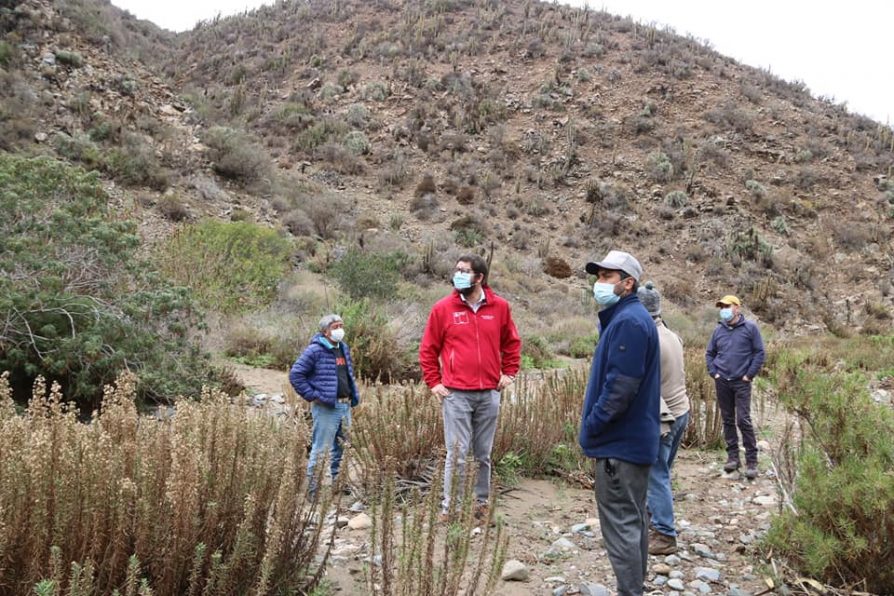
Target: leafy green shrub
375	349
80	306
660	167
72	59
536	353
135	164
231	266
840	526
266	345
676	199
369	275
7	53
235	155
583	347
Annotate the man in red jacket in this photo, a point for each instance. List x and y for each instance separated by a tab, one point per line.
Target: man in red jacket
470	351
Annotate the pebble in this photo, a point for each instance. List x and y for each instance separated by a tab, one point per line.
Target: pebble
341	521
700	586
564	544
676	584
702	550
589	589
765	500
580	528
357	507
360	522
660	580
662	569
555	579
514	570
672	560
737	591
560	591
676	574
707	574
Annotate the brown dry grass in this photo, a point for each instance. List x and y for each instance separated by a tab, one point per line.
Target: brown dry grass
207	501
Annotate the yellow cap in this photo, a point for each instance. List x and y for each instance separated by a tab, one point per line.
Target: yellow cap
728	300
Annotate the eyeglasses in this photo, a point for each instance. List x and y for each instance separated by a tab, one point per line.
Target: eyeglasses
461	270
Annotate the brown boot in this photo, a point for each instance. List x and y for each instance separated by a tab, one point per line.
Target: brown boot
482	514
661	544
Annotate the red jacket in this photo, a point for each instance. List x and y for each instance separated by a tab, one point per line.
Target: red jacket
466	350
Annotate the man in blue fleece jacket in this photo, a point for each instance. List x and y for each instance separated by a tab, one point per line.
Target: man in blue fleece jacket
620	425
734	356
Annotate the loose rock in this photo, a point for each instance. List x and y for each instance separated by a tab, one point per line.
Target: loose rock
514	571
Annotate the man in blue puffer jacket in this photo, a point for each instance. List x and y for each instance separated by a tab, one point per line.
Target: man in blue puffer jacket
324	376
620	421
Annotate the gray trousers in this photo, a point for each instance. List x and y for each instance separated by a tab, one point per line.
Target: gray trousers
621	489
470	420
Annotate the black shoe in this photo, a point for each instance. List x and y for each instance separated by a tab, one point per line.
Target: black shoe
731	466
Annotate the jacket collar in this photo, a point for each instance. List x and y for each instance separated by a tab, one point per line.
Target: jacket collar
321	339
607	314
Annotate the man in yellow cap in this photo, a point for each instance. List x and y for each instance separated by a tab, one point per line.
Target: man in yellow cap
734	356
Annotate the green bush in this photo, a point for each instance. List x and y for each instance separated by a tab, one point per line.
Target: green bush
840	525
369	275
375	349
236	156
80	306
231	266
583	347
536	353
72	59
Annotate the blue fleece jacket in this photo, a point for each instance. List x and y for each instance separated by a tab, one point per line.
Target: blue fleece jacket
314	376
620	418
735	350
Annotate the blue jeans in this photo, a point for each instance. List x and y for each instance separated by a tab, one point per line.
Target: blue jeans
660	496
328	434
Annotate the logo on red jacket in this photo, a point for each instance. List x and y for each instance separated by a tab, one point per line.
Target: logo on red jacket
460	318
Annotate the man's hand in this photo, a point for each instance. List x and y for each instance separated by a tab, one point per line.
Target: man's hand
746	379
440	391
717	376
505	381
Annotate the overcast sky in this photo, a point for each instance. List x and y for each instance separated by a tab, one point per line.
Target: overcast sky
841	50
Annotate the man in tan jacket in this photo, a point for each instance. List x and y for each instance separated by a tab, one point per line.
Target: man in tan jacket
674	420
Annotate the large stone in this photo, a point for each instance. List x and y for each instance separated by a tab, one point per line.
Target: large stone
765	500
514	571
360	522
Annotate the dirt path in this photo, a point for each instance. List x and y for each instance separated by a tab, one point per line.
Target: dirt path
721	516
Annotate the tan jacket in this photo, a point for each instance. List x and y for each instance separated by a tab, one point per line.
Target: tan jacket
673	379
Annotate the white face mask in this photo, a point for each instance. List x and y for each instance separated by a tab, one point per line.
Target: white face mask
337	334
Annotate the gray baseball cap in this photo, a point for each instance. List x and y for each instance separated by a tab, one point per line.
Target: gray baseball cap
617	260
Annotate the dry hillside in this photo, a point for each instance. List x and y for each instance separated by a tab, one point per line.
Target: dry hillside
441	126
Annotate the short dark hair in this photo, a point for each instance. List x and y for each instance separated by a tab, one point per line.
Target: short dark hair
479	265
635	282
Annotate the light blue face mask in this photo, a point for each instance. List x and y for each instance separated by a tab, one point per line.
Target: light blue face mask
605	294
726	315
462	281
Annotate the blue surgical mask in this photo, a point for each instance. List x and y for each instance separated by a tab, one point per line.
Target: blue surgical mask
605	293
726	314
462	281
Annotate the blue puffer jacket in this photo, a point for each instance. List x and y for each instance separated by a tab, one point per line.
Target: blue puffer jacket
620	418
314	376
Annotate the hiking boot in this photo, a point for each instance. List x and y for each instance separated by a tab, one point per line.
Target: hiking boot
751	471
482	512
731	466
661	544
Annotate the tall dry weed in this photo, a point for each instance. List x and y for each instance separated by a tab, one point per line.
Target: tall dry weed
208	501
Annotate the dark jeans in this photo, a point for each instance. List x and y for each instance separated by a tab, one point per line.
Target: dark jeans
734	399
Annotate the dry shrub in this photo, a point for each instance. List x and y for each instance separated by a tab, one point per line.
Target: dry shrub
425	186
557	267
705	426
208	501
432	558
465	195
